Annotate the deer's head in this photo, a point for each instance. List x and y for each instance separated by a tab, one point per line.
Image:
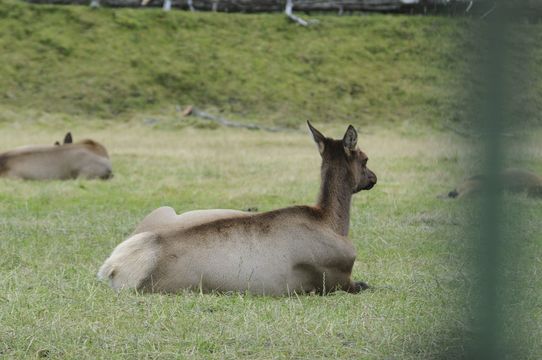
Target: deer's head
344	158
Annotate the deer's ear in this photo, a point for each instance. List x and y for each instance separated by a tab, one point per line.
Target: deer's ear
318	137
350	139
68	138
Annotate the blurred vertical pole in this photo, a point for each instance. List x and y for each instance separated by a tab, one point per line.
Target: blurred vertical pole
507	326
491	115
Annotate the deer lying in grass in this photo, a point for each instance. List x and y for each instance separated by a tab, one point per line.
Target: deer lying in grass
295	249
513	180
86	158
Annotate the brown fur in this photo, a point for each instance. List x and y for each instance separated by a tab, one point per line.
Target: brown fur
68	138
87	159
3	164
295	249
513	180
95	147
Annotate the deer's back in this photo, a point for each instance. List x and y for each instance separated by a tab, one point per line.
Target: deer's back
263	253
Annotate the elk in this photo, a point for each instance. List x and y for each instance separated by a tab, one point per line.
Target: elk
86	158
513	180
299	249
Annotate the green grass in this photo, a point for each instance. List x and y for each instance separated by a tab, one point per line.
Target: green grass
105	73
412	247
120	63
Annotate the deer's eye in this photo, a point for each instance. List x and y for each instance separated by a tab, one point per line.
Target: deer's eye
364	161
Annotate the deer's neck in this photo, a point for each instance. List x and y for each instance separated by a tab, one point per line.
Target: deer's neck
334	200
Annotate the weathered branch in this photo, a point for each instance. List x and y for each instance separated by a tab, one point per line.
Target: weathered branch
488	12
291	16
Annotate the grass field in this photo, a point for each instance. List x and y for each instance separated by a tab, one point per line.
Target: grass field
119	76
412	247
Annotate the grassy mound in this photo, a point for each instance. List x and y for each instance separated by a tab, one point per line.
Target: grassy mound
116	62
108	62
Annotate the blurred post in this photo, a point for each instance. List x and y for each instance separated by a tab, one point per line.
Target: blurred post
498	262
491	117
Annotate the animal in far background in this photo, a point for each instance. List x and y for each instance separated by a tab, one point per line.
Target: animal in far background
86	159
513	180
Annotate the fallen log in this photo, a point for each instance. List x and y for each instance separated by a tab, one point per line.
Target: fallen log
529	9
250	6
203	115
